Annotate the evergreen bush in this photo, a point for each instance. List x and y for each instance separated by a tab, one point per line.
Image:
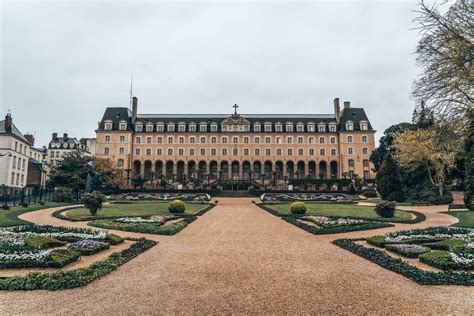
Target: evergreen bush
298	208
385	209
177	206
388	178
93	201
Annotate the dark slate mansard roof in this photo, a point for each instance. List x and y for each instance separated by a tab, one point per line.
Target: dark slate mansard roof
117	114
13	130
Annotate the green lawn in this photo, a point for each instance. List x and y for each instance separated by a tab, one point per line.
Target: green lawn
377	201
344	210
466	218
142	208
10	217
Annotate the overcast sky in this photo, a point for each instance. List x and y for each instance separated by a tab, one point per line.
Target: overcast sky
63	63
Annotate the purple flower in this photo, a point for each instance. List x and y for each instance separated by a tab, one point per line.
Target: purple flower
87	244
411	248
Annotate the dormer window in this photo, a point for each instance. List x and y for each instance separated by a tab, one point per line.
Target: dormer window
149	128
268	127
139	127
289	127
214	127
363	125
311	127
192	127
321	127
300	127
349	126
257	127
332	128
108	125
278	127
182	127
170	127
203	127
122	125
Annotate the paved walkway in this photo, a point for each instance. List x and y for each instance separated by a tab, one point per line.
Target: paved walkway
238	258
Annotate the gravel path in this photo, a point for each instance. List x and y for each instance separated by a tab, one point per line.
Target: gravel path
238	258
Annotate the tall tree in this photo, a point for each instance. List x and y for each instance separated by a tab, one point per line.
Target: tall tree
446	52
112	175
71	172
469	163
388	179
426	146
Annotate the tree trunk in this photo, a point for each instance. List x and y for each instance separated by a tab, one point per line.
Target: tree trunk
440	189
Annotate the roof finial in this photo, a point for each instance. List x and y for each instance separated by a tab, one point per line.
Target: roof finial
235	109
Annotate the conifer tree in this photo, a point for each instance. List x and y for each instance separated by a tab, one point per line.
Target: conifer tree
388	180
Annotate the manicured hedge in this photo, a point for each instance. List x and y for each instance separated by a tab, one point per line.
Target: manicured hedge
419	217
62	257
61	280
334	230
399	266
43	242
145	228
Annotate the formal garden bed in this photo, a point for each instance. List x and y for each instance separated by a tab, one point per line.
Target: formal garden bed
466	218
9	217
62	279
451	250
49	247
142	209
332	218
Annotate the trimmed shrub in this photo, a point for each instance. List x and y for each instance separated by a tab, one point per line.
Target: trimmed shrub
25	204
145	228
385	209
114	239
43	242
5	207
369	193
177	207
42	203
440	259
93	201
62	194
62	257
447	244
298	208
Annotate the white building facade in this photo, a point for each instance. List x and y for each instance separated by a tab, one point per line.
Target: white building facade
14	155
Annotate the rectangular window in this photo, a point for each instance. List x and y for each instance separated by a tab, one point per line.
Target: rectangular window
139	128
148	152
300	128
160	128
107	126
321	140
365	151
235	140
246	152
349	138
148	140
364	138
366	174
191	151
137	151
235	152
181	140
267	140
300	140
224	140
350	151
257	152
138	140
121	151
159	152
290	151
246	140
257	140
214	140
213	152
278	151
267	152
203	151
122	139
181	152
289	140
192	128
322	152
333	140
106	150
300	152
149	128
170	151
333	152
203	128
224	151
107	138
311	151
279	128
366	162
170	140
159	140
203	140
182	128
268	128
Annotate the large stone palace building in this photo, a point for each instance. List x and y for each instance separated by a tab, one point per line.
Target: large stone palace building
243	147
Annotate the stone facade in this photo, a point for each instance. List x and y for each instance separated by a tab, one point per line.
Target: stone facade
238	146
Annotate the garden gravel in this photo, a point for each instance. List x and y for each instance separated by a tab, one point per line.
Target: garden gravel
238	258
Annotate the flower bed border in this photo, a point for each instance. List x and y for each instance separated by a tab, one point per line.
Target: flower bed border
334	230
59	214
419	217
61	280
167	230
407	270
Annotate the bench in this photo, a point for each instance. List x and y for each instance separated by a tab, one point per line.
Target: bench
456	207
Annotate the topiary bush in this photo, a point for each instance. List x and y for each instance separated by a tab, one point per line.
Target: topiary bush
298	208
385	209
93	201
177	206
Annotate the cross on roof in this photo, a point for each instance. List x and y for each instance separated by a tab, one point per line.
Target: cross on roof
235	106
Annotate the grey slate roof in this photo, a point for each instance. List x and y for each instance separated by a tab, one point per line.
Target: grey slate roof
117	114
13	130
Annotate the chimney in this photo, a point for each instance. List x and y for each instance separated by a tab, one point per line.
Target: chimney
337	110
134	108
30	138
55	136
8	121
347	104
65	136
